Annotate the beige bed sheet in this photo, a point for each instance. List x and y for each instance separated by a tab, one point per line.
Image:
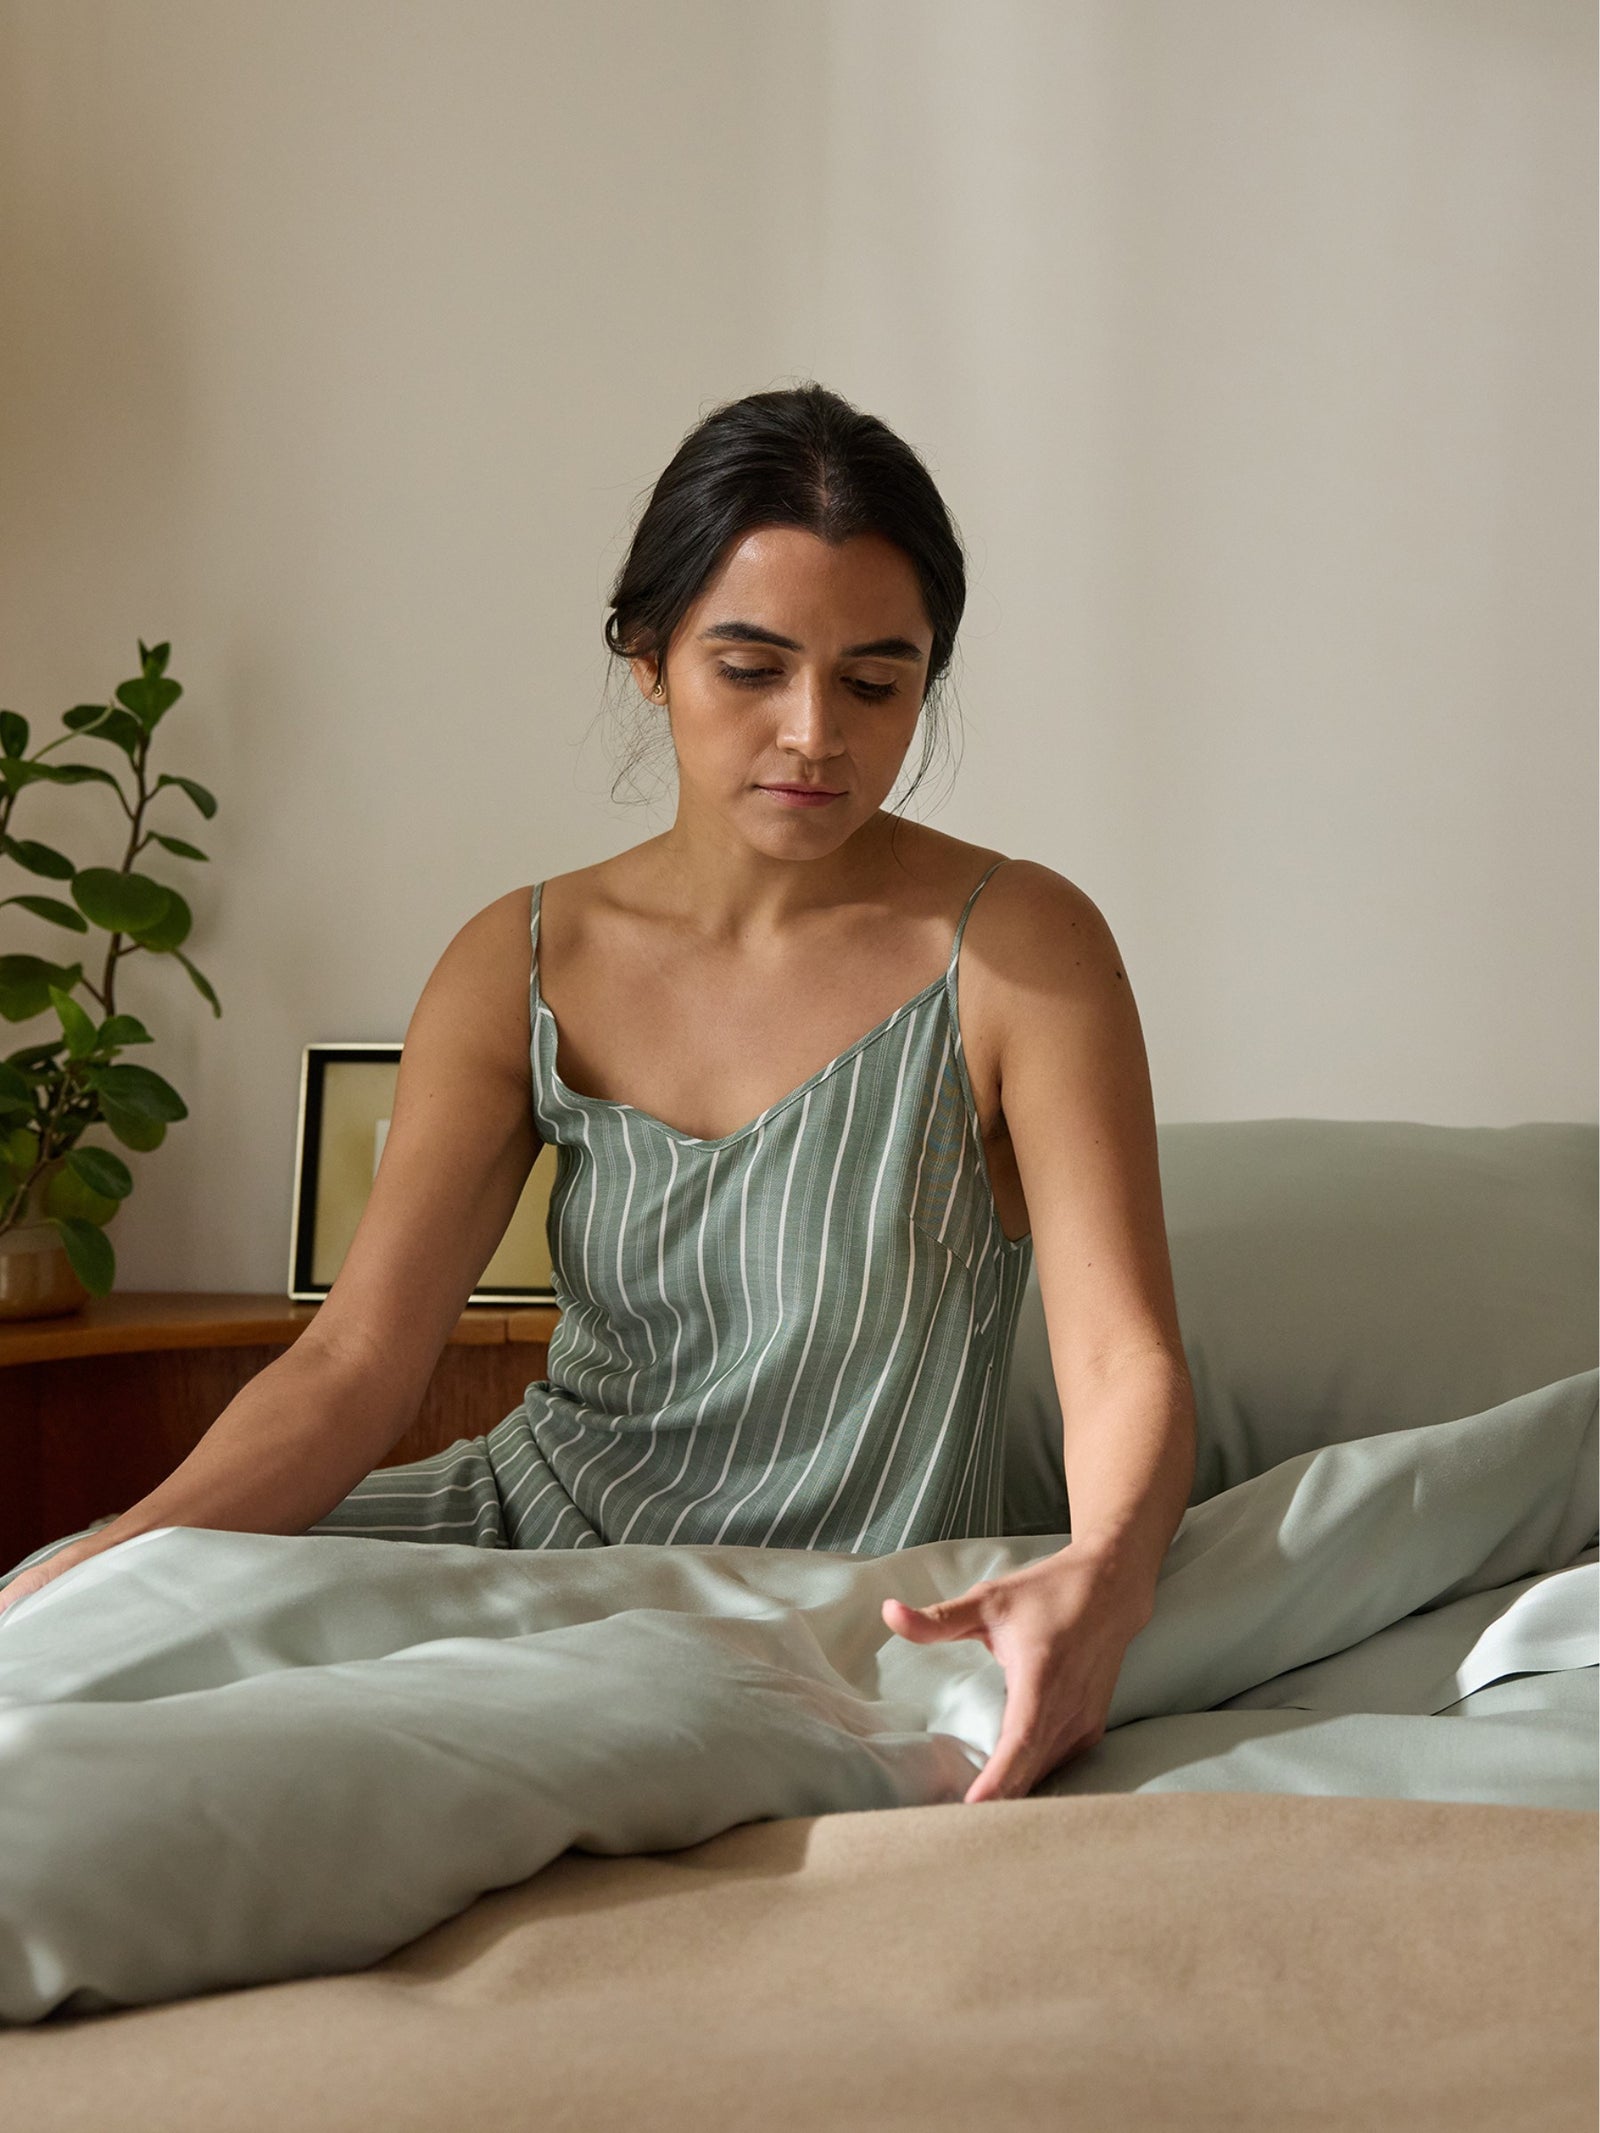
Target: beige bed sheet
1128	1962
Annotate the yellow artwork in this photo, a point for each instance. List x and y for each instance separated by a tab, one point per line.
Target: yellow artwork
346	1100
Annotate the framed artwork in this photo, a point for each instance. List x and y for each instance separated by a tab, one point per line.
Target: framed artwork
346	1099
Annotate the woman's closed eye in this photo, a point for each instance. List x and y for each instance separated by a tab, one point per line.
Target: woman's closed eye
754	677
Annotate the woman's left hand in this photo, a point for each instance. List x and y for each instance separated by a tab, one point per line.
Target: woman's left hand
1059	1628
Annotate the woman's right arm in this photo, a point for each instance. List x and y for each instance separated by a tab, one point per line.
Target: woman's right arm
461	1143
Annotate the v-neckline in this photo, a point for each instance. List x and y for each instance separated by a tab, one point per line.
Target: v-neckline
694	1140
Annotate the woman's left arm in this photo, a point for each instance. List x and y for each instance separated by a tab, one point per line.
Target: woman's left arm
1075	1092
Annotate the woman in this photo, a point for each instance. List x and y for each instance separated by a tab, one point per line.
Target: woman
798	1188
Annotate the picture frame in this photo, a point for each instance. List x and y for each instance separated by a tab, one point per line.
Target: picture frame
346	1101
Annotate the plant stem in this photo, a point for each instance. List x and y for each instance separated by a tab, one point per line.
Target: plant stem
106	995
47	1149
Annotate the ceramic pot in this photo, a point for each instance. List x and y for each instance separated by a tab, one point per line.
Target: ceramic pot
36	1277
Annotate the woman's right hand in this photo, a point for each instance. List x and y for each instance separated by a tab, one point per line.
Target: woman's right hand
41	1574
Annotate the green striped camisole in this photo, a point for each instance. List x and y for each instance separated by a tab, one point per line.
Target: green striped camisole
797	1335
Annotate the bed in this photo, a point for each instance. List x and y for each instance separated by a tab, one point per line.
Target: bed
291	1835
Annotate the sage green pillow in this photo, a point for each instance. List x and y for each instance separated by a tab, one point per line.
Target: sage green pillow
1338	1278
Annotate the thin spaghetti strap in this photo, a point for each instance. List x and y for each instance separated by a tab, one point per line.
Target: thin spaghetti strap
961	922
535	990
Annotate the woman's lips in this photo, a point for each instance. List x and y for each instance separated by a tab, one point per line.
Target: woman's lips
800	795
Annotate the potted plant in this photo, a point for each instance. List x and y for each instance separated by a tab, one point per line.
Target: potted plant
57	1190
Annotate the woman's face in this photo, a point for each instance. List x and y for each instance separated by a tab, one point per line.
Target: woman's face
800	665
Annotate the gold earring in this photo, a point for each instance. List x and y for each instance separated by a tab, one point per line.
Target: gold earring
659	691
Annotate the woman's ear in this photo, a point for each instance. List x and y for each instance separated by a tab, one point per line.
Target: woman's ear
647	671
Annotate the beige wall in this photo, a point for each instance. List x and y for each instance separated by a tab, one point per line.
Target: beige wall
1252	344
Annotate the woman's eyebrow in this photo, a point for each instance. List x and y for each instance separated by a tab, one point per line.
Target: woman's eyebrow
753	633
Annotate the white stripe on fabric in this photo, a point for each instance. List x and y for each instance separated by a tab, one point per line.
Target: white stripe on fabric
414	1532
624	1298
750	1330
932	1466
593	1388
816	1306
777	1327
648	1453
573	1329
961	1498
622	1238
908	1405
524	1511
405	1495
823	1437
711	1369
912	1264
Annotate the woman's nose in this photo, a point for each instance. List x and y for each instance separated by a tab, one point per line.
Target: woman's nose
810	719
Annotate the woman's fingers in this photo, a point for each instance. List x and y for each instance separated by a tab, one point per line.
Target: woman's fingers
20	1587
1017	1760
963	1617
41	1574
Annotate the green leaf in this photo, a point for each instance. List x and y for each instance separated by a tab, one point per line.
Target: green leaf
67	1194
15	773
103	1173
89	1249
133	1128
123	730
16	1090
154	658
49	907
39	1059
172	926
139	1089
197	793
71	774
38	858
176	844
122	903
21	1148
202	984
121	1029
75	1024
13	733
25	982
149	698
82	716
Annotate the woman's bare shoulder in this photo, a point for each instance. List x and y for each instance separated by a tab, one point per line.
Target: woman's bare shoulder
579	890
1047	895
483	978
1031	921
620	883
934	862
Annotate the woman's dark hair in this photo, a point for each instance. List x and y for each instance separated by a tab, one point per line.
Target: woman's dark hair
800	456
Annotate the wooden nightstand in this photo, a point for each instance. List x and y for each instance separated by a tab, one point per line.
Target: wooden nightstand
98	1406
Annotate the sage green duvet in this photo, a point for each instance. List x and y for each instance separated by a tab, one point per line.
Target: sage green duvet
231	1758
